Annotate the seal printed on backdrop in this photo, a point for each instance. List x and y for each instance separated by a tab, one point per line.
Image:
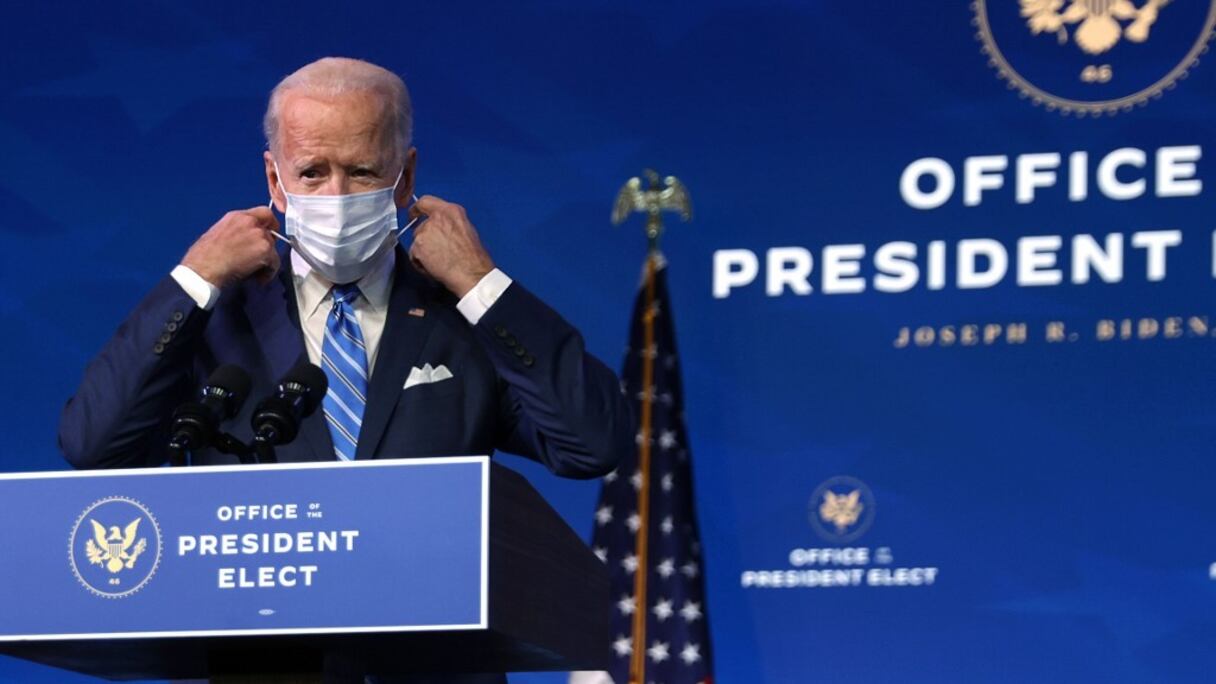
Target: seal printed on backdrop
1092	57
841	509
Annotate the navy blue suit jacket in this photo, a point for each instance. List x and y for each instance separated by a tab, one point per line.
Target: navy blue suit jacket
522	380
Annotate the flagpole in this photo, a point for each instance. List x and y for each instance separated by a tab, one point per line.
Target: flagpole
637	666
663	194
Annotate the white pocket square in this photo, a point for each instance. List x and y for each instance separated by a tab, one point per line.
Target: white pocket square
426	374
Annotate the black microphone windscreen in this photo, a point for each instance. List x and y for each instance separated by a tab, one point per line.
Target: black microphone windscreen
232	378
311	376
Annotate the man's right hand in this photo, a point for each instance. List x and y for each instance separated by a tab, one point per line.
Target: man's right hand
238	246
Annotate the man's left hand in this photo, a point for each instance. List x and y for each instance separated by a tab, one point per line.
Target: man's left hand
446	246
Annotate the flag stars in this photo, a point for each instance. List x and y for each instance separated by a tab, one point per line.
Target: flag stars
623	646
662	610
626	605
667	439
658	651
672	566
634	522
691	611
690	654
630	563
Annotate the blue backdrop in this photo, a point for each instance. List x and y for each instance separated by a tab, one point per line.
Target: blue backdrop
1061	486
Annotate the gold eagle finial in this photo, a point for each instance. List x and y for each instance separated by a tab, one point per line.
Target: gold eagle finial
667	195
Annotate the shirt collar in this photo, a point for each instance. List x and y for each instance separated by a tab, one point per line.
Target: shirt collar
313	289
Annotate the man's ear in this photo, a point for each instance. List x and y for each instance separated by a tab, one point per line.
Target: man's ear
405	189
272	183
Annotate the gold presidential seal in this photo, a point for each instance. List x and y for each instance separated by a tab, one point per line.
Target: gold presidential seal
1092	57
842	509
110	554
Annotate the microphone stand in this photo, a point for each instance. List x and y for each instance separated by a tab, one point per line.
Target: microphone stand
227	444
177	455
264	448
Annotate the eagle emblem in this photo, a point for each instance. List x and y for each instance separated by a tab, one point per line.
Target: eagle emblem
115	549
662	194
1100	24
669	195
842	510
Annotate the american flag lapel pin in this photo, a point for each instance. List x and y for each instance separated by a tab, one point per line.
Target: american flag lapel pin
417	312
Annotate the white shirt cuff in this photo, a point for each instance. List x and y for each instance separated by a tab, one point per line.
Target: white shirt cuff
202	292
476	302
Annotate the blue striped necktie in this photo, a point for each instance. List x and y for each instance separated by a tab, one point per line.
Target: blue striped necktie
344	358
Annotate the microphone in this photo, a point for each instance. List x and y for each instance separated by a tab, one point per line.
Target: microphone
196	423
276	420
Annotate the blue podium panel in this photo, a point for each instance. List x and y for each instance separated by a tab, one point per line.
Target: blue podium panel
376	546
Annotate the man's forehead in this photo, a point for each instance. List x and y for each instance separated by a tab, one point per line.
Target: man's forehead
349	120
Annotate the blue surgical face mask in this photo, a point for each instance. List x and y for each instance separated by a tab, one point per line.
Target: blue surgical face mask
342	236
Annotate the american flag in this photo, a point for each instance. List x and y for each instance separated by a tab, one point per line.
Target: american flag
674	646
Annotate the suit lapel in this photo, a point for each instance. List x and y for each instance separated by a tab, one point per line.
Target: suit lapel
275	318
401	343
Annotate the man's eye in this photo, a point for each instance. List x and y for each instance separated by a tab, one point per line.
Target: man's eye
310	173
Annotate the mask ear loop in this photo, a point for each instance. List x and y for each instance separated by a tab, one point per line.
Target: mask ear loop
413	222
270	206
275	234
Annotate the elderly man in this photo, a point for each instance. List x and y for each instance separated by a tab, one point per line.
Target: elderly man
428	352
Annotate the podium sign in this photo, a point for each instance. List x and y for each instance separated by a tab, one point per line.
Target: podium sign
363	547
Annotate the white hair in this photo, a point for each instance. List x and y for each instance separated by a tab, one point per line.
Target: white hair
333	76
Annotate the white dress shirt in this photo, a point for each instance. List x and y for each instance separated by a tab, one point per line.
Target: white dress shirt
314	299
